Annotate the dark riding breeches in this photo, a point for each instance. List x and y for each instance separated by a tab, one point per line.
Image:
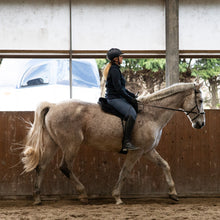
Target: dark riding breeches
122	106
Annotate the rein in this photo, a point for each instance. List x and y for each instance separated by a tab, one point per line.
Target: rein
171	109
198	113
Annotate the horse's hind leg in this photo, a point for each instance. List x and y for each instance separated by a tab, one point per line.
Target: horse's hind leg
48	154
37	184
156	158
128	165
66	168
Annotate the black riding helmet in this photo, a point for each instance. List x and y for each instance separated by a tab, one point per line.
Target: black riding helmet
112	53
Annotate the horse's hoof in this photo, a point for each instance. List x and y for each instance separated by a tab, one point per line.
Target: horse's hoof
119	202
37	202
84	200
174	197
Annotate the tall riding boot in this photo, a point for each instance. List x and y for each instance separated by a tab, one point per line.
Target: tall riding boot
127	145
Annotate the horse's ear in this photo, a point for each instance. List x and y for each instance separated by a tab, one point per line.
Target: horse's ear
197	83
197	79
200	85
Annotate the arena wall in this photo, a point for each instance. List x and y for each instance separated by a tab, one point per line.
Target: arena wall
192	154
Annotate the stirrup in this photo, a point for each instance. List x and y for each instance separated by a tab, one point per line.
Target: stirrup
128	146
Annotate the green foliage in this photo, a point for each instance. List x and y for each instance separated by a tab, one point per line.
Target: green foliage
206	68
131	64
184	65
101	63
209	71
154	65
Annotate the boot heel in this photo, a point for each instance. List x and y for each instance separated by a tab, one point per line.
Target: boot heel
123	151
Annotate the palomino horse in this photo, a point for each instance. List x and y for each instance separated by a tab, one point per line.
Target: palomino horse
71	125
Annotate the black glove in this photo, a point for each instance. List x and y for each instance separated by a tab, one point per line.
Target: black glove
134	103
136	95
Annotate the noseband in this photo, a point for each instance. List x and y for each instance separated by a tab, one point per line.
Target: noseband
198	113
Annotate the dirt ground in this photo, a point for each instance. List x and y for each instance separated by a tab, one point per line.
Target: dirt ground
150	209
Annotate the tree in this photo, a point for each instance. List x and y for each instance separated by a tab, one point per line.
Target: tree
143	75
209	71
149	74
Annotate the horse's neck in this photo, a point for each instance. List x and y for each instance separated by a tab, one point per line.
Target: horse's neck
163	116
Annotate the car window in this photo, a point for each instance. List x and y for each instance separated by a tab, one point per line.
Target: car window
35	75
84	73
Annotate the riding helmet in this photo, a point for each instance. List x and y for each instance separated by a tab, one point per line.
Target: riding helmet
112	53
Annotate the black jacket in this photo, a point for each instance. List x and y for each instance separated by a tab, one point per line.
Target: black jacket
115	85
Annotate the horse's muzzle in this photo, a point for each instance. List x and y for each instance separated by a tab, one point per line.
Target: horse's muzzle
198	125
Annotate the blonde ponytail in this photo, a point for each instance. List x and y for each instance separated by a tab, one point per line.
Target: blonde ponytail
106	70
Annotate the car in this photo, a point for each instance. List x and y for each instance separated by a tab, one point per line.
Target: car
24	83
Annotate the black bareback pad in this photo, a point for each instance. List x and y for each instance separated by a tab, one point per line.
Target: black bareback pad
108	108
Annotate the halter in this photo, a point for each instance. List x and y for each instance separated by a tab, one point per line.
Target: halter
198	113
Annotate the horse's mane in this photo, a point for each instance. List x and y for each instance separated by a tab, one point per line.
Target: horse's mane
163	93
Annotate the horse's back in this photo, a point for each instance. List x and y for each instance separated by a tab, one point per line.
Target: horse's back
72	120
69	114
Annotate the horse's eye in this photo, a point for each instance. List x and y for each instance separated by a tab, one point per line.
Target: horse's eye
200	101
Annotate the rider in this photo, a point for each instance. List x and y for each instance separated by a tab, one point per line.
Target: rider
120	98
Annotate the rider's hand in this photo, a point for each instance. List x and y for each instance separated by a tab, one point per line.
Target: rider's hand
133	101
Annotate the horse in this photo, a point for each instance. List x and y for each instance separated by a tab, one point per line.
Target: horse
72	124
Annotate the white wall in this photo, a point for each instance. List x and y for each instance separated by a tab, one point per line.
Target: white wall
199	25
130	25
34	25
98	24
102	24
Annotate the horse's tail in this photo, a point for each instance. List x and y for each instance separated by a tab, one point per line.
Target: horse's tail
34	146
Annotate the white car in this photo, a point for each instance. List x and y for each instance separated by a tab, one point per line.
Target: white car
24	83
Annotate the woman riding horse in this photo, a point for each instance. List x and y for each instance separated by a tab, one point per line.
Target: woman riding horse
71	125
119	97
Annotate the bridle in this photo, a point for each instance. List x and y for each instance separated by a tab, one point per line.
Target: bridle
198	112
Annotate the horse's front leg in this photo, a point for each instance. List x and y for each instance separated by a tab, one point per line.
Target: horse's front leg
129	163
156	158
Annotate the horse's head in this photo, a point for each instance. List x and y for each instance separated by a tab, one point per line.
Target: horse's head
193	106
